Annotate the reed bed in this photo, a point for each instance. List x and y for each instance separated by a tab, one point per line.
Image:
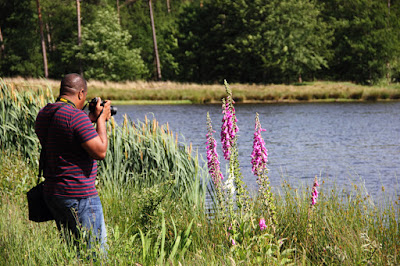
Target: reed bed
18	110
134	92
153	192
143	154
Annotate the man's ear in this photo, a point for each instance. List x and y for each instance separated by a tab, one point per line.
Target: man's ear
81	93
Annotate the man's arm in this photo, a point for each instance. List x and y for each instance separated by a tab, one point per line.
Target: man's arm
97	147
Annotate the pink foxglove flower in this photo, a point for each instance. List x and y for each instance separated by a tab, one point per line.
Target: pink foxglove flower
262	224
212	155
233	242
229	126
314	193
259	156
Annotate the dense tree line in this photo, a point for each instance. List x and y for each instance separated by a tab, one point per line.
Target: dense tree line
260	41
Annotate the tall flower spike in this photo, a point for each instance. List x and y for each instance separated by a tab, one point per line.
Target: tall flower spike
259	159
314	193
212	155
229	132
229	126
259	156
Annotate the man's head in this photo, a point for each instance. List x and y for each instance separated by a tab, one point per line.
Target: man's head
74	88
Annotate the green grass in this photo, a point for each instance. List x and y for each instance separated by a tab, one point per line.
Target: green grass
346	227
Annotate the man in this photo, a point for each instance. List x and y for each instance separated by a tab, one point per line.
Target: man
72	146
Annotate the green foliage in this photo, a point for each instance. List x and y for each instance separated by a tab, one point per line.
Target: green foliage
258	247
60	29
104	52
161	251
16	173
295	38
21	54
202	37
205	41
365	40
136	19
287	38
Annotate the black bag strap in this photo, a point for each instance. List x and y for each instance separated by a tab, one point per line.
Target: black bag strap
43	151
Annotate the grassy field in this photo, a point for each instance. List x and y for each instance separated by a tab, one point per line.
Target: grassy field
346	228
153	190
184	93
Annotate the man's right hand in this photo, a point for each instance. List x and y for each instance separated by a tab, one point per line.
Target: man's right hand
97	147
101	112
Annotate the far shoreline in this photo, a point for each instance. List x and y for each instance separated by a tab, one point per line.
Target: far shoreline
166	92
187	102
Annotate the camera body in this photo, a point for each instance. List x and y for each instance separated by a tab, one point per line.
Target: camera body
93	103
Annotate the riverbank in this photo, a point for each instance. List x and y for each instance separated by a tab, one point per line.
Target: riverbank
165	92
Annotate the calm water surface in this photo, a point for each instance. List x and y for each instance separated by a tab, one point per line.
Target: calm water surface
342	143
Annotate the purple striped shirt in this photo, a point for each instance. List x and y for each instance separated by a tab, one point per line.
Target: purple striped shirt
69	170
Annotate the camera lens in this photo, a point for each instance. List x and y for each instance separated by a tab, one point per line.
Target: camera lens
113	110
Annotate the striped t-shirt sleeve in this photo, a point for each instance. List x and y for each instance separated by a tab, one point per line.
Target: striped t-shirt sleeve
82	127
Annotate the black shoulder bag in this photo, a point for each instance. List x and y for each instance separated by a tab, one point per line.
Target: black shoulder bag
38	210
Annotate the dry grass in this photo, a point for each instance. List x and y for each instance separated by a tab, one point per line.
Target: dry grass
136	91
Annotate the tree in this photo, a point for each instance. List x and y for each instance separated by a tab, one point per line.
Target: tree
21	42
153	30
296	37
61	28
366	38
204	34
104	52
46	71
78	18
253	41
135	18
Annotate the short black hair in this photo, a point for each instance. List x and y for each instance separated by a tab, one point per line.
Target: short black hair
72	83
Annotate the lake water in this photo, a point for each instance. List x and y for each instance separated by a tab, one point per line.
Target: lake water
341	143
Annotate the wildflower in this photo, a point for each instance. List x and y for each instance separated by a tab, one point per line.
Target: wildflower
314	193
262	224
230	230
229	184
259	159
212	155
259	155
233	242
214	165
229	127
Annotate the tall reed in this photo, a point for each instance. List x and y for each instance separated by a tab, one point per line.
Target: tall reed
144	154
18	110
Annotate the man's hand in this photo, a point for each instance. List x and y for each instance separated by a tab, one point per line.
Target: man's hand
97	147
101	112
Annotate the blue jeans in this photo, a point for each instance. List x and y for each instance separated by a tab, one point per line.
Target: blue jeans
77	216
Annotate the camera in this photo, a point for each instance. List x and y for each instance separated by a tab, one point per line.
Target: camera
93	103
